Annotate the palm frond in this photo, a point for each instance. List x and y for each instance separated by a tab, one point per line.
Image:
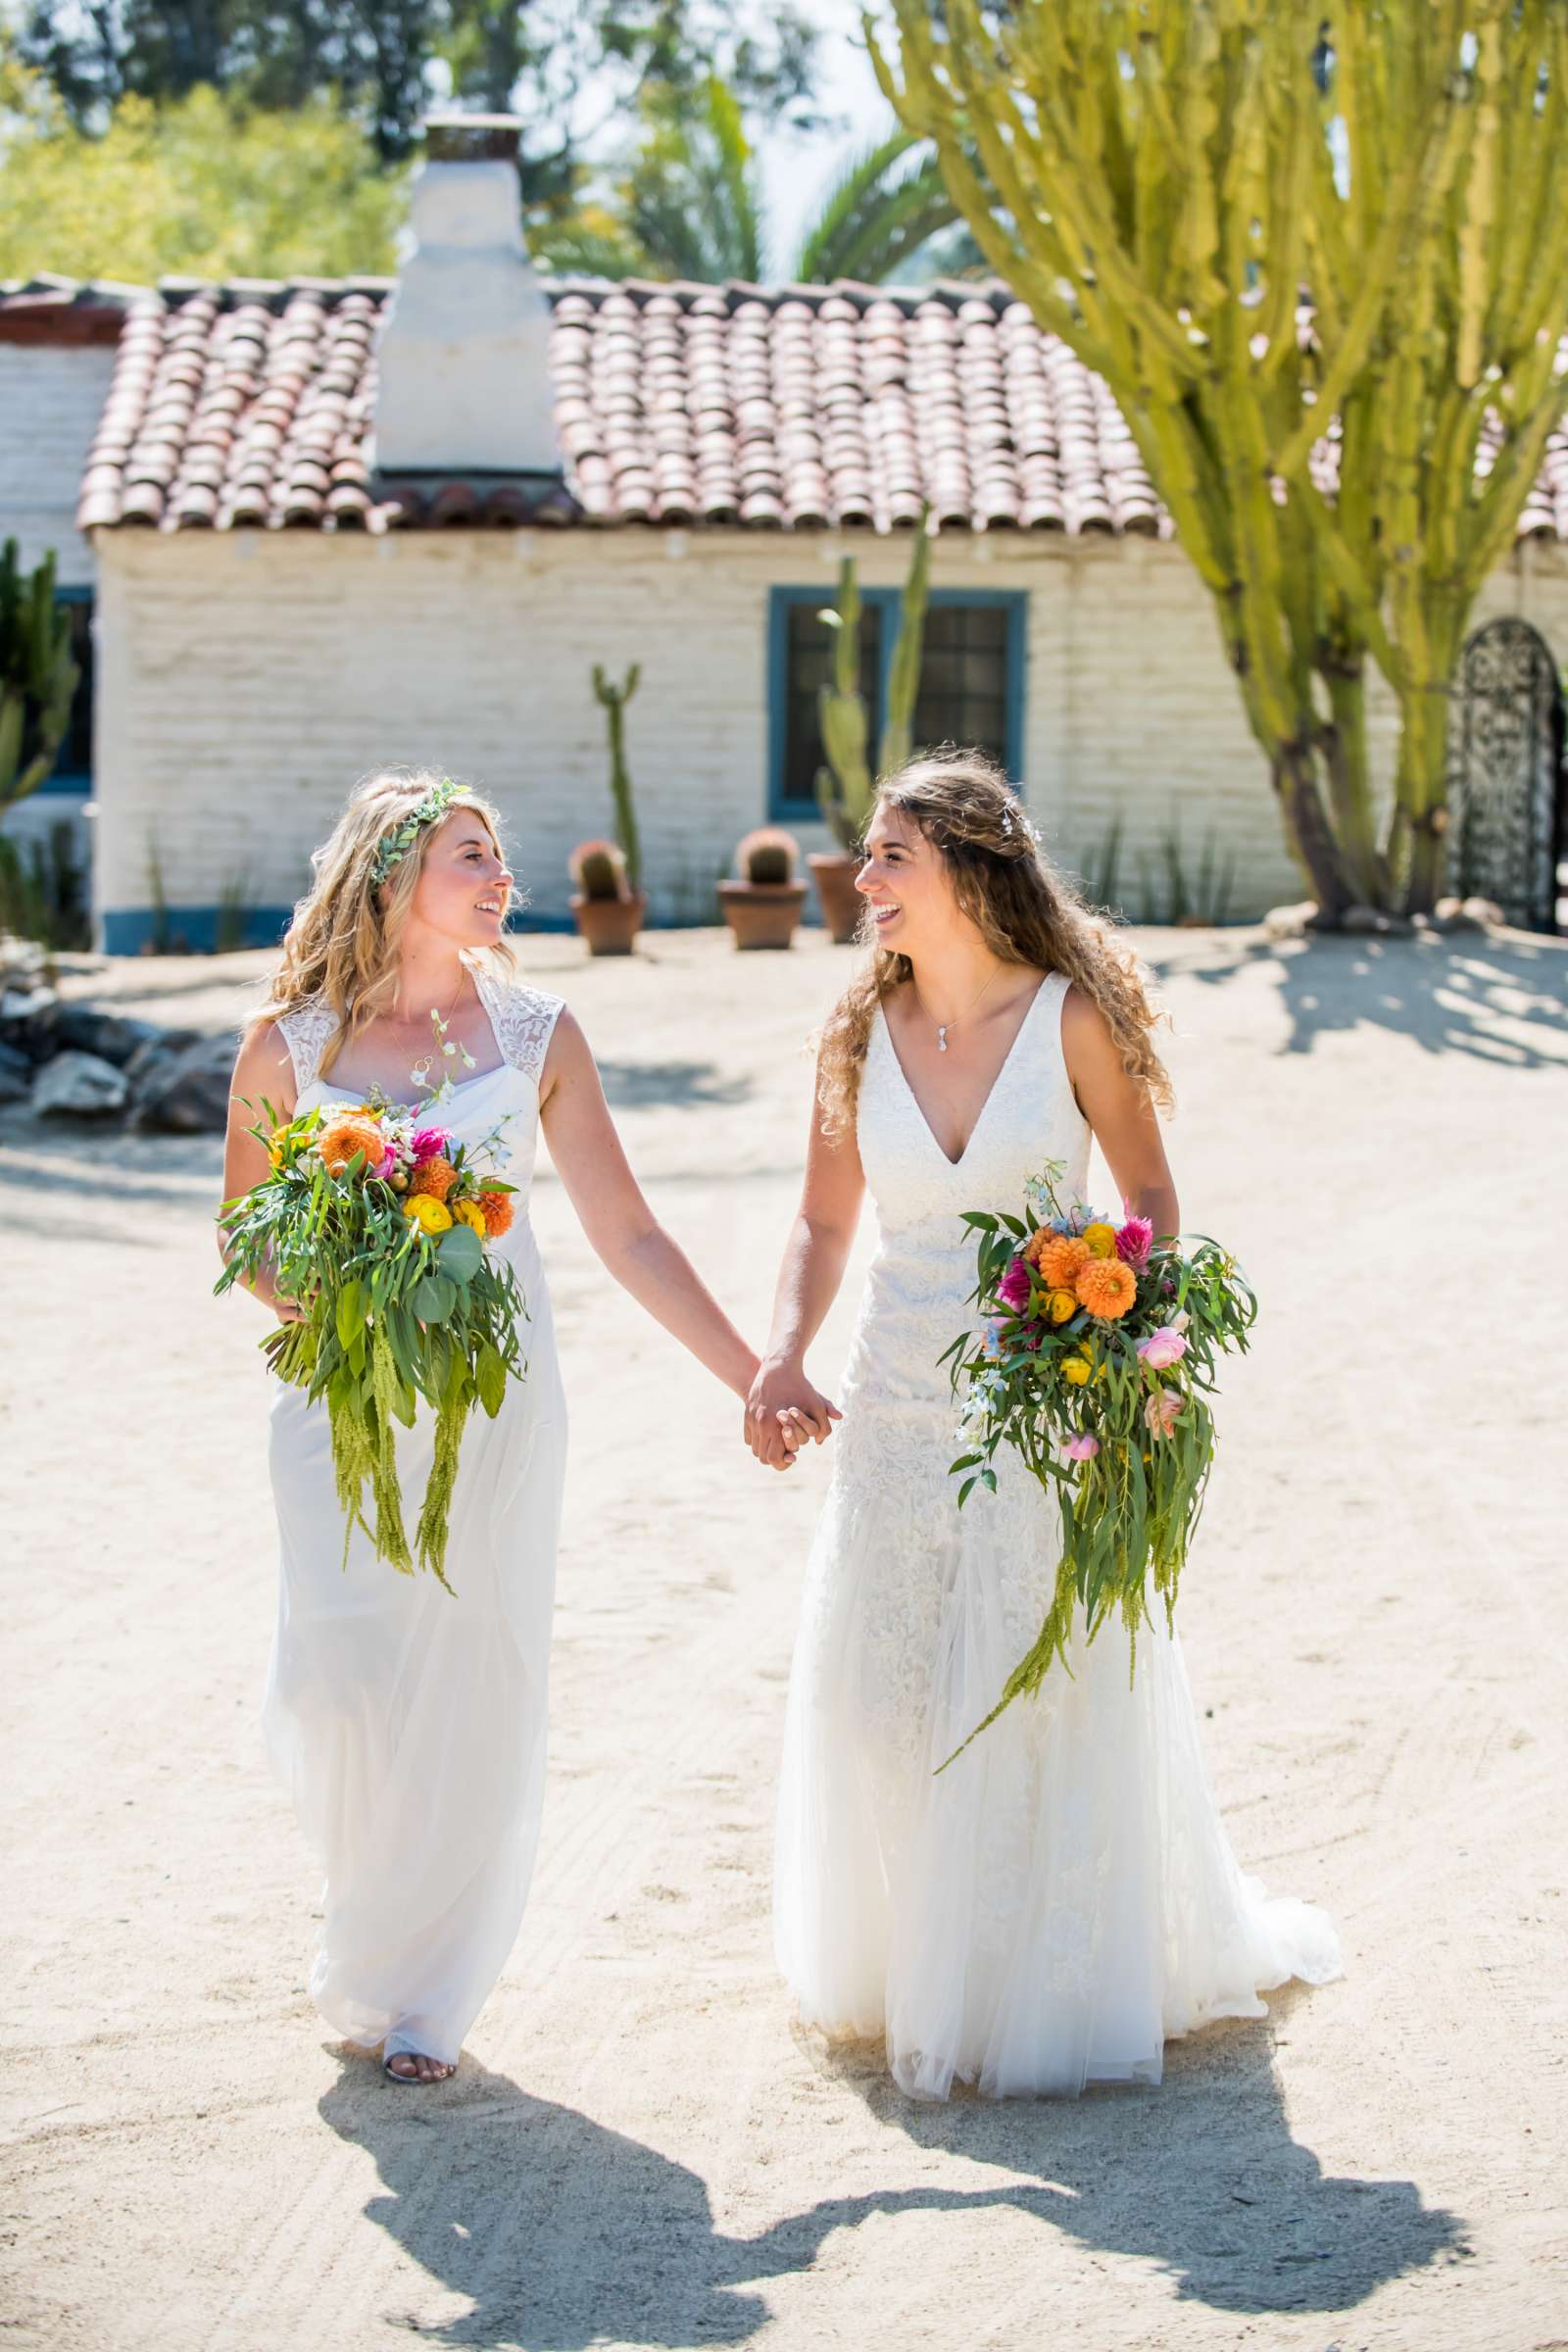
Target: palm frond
863	177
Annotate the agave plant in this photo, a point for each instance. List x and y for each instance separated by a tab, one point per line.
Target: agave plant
37	675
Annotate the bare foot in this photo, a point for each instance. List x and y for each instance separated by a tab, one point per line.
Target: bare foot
413	2066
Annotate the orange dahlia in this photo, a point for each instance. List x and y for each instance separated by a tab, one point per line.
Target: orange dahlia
434	1176
338	1142
1059	1259
1106	1287
497	1209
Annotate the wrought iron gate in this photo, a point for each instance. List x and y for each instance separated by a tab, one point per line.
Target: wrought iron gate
1506	784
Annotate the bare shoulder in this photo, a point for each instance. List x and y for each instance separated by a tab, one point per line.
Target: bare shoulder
1084	1027
568	1054
264	1064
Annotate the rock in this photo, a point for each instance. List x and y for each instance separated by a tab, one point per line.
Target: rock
24	963
1482	912
186	1092
163	1046
79	1085
111	1036
27	1021
1370	922
1288	923
16	1077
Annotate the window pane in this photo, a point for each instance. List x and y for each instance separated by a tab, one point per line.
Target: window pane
809	667
75	753
964	679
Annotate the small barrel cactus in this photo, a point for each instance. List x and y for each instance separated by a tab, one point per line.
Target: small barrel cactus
598	870
767	859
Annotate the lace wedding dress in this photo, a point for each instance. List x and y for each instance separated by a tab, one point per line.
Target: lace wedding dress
409	1724
1063	1897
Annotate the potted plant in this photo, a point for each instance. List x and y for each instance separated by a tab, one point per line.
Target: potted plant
608	903
606	910
844	786
764	905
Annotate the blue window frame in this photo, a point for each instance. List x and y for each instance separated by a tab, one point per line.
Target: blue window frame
72	769
971	678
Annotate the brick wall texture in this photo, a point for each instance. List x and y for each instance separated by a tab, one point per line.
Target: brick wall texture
50	402
247	679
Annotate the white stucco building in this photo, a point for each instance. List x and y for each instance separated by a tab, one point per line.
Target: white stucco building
305	556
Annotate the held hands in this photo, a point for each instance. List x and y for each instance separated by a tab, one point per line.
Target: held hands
783	1410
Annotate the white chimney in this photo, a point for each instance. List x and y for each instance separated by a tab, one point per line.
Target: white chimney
463	358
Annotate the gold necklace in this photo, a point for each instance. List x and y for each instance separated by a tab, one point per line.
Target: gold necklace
942	1027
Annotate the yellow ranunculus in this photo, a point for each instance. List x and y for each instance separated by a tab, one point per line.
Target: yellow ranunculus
468	1212
1102	1240
1062	1305
1085	1348
433	1215
1075	1371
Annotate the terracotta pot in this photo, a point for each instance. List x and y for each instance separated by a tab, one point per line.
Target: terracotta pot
609	925
841	903
762	915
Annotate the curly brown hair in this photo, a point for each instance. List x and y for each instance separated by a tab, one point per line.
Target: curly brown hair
1025	909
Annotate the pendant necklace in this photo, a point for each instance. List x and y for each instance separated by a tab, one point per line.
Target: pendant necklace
942	1027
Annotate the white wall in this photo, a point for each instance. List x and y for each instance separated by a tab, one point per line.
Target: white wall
247	679
50	403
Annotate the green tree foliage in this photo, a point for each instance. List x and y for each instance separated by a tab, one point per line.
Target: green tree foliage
1162	180
572	70
195	187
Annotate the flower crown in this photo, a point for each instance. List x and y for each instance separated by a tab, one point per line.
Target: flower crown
395	846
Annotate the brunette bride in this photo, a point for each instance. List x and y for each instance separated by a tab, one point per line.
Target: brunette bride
1063	1897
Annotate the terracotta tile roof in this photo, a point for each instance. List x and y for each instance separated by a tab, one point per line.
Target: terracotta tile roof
806	408
795	407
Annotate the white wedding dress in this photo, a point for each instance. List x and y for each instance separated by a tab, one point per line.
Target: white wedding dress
409	1724
1063	1897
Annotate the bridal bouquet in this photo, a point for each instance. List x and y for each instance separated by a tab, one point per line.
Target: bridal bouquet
1094	1362
376	1222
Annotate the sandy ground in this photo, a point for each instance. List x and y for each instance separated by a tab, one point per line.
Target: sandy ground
640	2149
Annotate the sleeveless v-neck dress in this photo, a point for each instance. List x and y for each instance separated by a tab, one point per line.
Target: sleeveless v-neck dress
409	1724
1064	1898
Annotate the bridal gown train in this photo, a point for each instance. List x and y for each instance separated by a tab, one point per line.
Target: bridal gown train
409	1724
1064	1897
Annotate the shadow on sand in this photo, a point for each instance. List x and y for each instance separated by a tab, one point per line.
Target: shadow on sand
1502	999
563	2235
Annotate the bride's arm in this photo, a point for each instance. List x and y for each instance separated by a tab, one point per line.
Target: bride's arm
815	1257
621	1227
263	1069
1121	1117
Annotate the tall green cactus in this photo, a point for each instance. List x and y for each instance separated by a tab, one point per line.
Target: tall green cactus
904	675
1159	181
845	786
615	700
37	675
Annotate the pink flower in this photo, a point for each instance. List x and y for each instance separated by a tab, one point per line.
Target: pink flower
1162	1411
1013	1288
1134	1241
428	1143
385	1165
1163	1347
1081	1448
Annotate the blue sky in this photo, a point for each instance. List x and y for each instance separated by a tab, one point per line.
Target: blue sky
797	172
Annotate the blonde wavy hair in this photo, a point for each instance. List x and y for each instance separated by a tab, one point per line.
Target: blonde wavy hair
343	943
1025	909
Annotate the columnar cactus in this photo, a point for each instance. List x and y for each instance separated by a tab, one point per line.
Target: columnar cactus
845	786
1161	181
615	700
37	675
